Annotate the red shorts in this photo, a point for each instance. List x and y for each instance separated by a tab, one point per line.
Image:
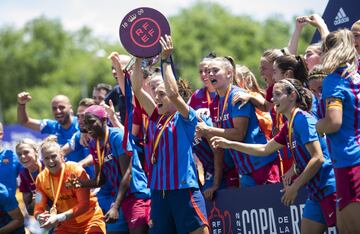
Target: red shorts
328	208
347	185
232	179
136	211
268	174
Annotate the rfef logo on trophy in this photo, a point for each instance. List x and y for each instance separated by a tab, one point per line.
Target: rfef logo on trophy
140	32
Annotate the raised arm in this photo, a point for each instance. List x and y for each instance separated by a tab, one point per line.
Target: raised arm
318	22
22	116
112	115
120	76
171	86
294	40
146	102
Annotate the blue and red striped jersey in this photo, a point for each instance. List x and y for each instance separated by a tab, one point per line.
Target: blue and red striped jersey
304	132
345	143
175	167
245	163
111	168
200	99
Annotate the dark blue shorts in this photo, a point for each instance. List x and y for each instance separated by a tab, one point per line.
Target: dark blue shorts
177	211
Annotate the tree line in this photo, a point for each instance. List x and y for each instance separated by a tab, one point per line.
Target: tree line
45	59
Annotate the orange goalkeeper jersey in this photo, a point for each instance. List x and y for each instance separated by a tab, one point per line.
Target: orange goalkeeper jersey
86	211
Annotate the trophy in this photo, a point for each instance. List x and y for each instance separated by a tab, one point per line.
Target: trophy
140	32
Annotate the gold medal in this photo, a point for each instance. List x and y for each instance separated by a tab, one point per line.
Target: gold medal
101	154
53	210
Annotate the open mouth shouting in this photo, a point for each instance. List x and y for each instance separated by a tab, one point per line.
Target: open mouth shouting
213	81
59	116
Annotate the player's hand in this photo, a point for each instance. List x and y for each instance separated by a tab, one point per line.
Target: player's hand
23	98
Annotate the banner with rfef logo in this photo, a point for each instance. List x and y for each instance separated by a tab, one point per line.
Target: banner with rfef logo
256	210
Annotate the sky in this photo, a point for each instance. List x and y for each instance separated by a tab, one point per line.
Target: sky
104	16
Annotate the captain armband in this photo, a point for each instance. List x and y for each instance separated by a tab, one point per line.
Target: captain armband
333	103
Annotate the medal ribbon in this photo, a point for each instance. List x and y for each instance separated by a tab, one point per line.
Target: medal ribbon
208	98
56	196
290	127
224	106
157	138
40	169
100	154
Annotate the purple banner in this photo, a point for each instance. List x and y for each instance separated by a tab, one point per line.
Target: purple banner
255	210
14	133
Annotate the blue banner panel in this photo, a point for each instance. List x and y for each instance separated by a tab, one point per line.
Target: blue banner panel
13	133
255	210
339	14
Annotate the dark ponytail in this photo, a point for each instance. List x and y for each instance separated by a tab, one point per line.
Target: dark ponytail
301	71
294	63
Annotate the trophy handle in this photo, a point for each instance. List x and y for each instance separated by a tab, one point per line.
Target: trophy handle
130	63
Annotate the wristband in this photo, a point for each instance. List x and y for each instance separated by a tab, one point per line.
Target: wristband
167	60
61	217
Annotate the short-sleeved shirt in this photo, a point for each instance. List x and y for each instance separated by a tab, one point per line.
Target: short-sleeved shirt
345	143
81	152
111	168
27	180
7	203
175	166
9	169
304	132
314	107
321	108
53	127
67	198
245	163
199	99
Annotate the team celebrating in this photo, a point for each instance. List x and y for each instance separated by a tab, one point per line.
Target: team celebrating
142	158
